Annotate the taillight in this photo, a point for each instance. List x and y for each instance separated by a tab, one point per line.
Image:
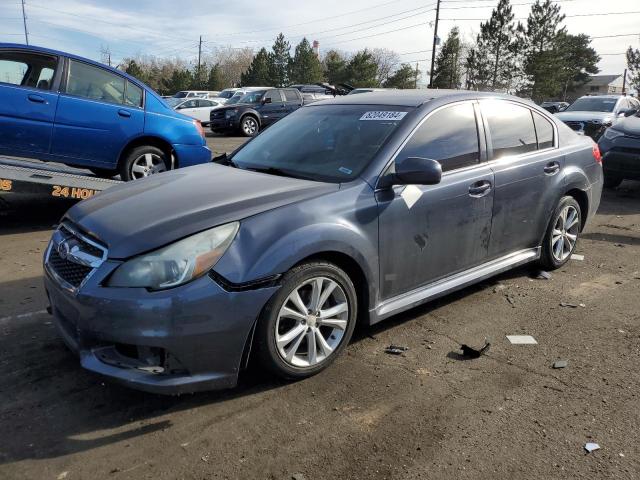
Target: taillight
199	127
597	156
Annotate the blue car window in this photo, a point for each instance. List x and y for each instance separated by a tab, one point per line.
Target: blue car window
27	69
134	95
95	83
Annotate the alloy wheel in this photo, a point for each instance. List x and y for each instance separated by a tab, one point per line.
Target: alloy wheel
312	322
147	164
565	233
249	126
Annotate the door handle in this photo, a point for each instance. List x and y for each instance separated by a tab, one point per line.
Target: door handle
124	113
35	98
552	168
479	189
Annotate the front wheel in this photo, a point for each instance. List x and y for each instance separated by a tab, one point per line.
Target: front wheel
308	322
144	161
562	234
249	126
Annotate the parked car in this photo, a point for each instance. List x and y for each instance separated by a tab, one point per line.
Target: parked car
198	108
554	107
592	115
356	91
225	95
196	94
256	110
620	147
314	92
351	209
59	107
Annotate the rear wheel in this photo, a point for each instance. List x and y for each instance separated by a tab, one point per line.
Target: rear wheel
562	234
249	126
612	181
308	323
144	161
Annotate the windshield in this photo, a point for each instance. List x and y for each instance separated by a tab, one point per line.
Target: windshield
235	99
592	105
173	101
181	95
252	97
329	143
226	93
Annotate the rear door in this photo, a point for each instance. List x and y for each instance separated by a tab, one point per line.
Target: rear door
524	156
28	101
189	108
274	110
293	99
99	112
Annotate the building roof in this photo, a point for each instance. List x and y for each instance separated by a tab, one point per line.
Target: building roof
601	80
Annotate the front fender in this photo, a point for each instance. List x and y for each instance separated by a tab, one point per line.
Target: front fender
253	113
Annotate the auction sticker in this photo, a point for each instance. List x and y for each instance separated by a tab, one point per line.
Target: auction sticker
385	115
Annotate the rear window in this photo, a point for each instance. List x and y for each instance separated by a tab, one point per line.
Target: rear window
544	131
291	95
134	95
27	69
511	128
95	83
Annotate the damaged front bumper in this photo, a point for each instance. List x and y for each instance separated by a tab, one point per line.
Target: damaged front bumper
185	339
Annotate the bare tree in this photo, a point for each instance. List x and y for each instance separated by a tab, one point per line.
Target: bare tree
387	62
233	62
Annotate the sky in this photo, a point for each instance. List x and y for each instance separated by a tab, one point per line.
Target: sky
166	28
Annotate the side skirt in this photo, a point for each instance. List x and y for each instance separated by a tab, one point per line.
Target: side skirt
455	282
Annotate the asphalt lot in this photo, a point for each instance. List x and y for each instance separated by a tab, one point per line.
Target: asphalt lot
425	414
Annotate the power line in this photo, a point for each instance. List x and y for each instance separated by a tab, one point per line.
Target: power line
566	16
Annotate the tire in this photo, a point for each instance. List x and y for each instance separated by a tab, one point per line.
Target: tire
142	162
104	172
273	325
553	257
249	126
611	181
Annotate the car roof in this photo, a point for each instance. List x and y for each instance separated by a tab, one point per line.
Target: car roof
411	97
49	51
601	96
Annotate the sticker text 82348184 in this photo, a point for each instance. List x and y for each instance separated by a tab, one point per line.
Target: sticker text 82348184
383	115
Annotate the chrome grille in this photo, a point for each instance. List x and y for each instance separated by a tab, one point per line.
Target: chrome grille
72	257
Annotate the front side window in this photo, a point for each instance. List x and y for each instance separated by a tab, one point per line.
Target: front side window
134	95
95	83
251	97
544	131
511	128
449	136
329	143
27	69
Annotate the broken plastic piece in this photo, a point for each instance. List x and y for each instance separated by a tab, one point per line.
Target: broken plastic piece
591	447
522	340
470	352
575	256
570	305
560	364
542	275
395	350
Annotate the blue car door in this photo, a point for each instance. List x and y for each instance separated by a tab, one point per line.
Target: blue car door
28	100
95	118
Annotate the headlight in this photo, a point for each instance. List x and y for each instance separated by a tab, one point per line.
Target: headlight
177	263
610	134
230	113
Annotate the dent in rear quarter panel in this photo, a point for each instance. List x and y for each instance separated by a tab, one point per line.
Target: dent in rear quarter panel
163	122
271	243
583	173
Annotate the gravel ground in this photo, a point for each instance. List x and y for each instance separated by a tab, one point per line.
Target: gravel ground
425	414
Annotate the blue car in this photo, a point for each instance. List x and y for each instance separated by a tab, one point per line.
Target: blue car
63	108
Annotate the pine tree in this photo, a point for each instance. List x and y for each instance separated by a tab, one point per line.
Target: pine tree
477	69
335	66
577	60
214	79
280	60
447	71
305	66
542	57
633	64
497	41
134	70
362	70
404	77
259	72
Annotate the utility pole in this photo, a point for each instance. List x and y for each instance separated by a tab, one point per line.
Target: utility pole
415	81
435	40
624	82
199	58
24	21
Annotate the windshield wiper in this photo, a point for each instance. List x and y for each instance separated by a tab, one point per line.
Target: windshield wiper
224	160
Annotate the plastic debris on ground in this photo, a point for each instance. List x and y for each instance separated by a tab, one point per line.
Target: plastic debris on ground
521	340
575	256
395	350
591	447
471	352
570	305
560	364
542	275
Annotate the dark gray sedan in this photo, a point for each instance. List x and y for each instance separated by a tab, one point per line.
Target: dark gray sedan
348	210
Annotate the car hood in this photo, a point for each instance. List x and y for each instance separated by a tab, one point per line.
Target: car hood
602	117
628	125
146	214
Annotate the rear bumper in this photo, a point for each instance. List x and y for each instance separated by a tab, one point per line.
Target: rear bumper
622	164
189	155
186	339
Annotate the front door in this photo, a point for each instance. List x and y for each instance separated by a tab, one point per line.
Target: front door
27	101
95	117
429	232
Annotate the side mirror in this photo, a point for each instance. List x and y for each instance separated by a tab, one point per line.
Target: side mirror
416	171
562	108
266	100
628	112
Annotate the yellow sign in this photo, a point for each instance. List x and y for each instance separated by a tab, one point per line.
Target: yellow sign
72	192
